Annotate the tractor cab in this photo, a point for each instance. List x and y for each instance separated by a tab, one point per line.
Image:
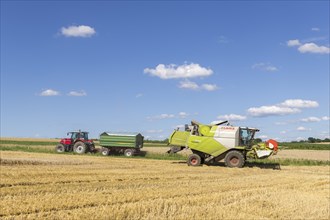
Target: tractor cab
74	135
246	135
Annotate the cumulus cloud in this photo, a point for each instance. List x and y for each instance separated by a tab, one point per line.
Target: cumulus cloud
313	48
271	110
174	71
325	118
267	67
78	31
301	128
309	47
139	95
183	115
49	92
209	87
299	103
187	84
77	93
231	117
293	43
161	116
289	106
310	119
315	29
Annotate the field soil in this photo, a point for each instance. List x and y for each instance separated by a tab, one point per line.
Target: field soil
55	186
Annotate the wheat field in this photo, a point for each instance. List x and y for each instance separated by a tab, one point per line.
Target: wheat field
54	186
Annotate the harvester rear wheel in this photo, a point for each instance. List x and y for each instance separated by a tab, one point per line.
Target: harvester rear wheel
80	147
194	160
60	148
234	159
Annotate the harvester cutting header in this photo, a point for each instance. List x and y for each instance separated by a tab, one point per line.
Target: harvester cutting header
211	143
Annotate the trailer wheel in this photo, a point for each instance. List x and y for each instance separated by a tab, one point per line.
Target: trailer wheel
129	152
105	151
194	160
80	147
60	148
234	159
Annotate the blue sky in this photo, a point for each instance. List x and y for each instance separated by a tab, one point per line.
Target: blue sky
152	66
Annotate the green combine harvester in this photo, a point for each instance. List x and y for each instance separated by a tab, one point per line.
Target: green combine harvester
210	143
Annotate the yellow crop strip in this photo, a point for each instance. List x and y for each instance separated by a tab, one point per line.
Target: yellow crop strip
38	186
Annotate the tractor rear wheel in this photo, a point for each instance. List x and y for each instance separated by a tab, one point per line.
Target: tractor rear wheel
60	148
194	160
80	147
234	159
129	152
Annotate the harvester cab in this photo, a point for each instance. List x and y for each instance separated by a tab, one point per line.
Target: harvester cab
219	141
76	141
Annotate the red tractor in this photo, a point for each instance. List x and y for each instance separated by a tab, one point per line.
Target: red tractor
78	142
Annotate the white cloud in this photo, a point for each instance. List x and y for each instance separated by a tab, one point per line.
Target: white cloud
308	47
161	116
173	71
76	93
78	31
49	92
299	103
232	117
293	43
313	48
315	29
154	131
209	87
283	132
289	106
183	115
310	119
325	118
271	110
301	128
187	84
267	67
263	136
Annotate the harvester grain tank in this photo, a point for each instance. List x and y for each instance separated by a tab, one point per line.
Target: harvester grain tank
211	143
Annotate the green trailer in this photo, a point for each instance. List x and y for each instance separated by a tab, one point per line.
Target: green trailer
127	143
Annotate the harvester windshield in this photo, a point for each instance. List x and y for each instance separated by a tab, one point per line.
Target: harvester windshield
247	135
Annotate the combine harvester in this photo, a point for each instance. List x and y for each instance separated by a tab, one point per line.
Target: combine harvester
210	143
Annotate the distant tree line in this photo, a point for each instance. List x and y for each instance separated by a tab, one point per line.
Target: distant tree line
312	140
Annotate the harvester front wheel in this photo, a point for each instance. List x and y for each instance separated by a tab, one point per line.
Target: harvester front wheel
60	148
80	147
194	160
234	159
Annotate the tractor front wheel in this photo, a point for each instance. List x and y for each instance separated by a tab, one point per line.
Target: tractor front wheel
234	159
194	160
60	148
80	147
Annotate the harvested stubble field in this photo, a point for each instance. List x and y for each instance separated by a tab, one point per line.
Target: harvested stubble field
55	186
